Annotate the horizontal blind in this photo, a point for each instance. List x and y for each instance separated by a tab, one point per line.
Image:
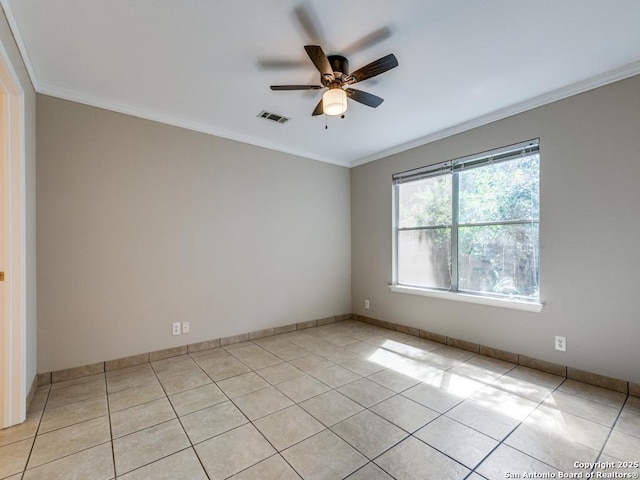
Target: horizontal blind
473	161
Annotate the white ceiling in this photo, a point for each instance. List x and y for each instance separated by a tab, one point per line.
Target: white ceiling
207	64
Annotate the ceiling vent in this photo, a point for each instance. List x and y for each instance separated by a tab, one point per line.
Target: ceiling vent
273	116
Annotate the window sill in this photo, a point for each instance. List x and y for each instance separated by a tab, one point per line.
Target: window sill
462	297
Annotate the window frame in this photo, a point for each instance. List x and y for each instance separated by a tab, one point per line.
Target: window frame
454	167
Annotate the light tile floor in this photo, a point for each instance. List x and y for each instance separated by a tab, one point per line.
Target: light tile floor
346	400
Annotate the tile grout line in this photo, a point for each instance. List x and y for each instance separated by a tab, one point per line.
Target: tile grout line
35	436
604	445
502	442
192	446
113	450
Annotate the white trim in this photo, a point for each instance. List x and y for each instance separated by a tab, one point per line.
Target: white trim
462	297
13	384
620	73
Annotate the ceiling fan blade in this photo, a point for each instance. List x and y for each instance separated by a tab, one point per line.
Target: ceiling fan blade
374	68
281	64
320	60
318	110
365	98
367	41
296	87
309	21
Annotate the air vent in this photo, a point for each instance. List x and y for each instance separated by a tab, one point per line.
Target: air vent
273	116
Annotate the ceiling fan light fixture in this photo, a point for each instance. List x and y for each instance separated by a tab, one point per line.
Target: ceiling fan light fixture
334	101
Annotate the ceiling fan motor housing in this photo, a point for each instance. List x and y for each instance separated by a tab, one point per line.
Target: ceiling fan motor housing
340	67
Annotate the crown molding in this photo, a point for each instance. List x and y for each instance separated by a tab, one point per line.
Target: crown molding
15	31
582	86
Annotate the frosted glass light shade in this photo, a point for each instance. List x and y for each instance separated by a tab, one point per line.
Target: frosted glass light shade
334	101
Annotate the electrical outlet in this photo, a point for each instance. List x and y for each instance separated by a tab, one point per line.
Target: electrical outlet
561	343
175	328
366	304
185	327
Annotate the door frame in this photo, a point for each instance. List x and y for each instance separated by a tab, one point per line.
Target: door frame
13	345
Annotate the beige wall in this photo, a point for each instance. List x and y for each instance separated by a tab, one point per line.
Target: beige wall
142	224
590	260
9	46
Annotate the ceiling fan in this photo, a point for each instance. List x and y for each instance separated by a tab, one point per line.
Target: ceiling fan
334	75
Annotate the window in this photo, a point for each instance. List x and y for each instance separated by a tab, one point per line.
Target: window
471	225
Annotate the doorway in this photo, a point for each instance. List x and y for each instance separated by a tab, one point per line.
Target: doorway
13	385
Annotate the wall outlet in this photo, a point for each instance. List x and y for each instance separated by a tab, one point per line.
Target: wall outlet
175	328
185	327
561	343
366	304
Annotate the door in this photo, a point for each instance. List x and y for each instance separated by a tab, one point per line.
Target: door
13	391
